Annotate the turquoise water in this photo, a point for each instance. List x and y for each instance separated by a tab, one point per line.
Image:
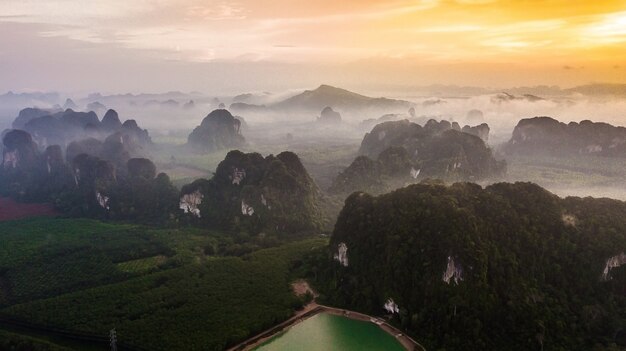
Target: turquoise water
327	332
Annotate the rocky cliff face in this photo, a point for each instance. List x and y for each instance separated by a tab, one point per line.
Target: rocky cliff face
218	130
273	193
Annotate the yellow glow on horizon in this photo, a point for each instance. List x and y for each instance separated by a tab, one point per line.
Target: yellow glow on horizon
328	31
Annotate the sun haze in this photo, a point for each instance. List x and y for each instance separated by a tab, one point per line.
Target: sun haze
350	42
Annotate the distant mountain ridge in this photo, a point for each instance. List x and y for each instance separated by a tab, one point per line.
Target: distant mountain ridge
326	95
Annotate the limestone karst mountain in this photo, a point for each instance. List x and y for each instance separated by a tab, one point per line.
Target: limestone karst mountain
19	151
329	116
547	136
218	130
111	121
500	266
63	127
438	149
30	113
96	179
69	103
481	131
272	194
392	169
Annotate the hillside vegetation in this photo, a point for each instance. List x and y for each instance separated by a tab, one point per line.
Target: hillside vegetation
511	266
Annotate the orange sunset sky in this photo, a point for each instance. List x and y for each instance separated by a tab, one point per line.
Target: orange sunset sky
252	44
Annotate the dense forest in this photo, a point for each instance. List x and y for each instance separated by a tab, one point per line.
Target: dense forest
16	342
510	266
163	289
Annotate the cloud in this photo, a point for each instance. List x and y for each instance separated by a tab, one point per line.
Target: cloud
353	16
453	28
221	11
607	29
330	31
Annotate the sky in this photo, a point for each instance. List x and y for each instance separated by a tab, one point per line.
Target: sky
233	46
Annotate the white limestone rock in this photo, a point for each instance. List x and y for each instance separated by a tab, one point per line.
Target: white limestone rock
103	200
342	254
238	175
569	220
246	209
613	262
415	172
453	272
391	307
189	203
11	159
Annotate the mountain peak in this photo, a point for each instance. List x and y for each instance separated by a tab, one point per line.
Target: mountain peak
327	87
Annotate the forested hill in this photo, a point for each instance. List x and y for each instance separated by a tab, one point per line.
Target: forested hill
254	193
510	266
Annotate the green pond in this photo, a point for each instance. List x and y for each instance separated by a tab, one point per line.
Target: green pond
325	332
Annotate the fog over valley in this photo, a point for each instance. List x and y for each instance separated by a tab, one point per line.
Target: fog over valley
295	120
